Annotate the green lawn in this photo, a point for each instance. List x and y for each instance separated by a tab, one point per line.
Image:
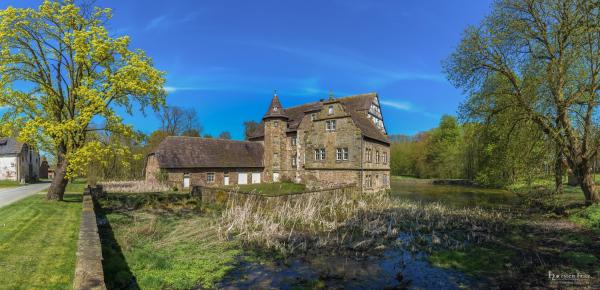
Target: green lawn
38	241
162	242
278	188
8	183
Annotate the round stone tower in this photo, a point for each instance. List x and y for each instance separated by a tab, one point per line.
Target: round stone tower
275	121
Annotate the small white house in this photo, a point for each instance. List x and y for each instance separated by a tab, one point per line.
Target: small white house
18	161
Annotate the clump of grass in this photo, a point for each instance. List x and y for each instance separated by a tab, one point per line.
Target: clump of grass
134	186
588	217
352	222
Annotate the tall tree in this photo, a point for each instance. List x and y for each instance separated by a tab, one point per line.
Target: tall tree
545	56
59	69
443	149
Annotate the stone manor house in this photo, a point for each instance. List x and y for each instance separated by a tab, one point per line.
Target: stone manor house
321	144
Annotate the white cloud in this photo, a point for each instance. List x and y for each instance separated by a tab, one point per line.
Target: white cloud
172	89
156	22
404	106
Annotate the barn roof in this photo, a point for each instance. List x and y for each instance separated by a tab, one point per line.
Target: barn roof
355	105
194	152
10	146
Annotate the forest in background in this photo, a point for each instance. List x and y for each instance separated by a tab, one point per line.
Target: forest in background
497	153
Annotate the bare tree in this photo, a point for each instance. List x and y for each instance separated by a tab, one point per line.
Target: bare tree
249	128
179	121
225	135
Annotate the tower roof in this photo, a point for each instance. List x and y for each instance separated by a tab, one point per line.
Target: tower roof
275	109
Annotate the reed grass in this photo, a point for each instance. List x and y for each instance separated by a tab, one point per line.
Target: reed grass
353	222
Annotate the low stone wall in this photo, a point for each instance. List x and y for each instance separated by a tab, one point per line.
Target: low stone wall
88	270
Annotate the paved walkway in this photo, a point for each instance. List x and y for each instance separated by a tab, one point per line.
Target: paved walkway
12	194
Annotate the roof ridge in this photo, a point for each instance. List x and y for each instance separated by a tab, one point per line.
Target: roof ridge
214	139
357	95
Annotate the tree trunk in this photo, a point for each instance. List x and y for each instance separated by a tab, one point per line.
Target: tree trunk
59	183
558	171
586	182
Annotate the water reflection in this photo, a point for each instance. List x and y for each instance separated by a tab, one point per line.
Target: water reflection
453	195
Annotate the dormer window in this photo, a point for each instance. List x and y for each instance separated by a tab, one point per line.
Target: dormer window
275	109
330	110
313	116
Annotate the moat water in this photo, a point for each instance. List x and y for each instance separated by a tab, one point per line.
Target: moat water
396	268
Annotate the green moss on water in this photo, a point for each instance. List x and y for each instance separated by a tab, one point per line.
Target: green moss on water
474	261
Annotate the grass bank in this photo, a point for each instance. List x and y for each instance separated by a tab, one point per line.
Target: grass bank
38	241
9	183
277	188
162	241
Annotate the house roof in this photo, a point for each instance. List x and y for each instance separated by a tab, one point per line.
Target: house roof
10	146
275	110
194	152
355	105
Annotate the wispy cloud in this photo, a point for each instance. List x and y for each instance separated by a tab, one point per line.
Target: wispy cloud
157	22
404	106
376	75
172	89
408	107
189	17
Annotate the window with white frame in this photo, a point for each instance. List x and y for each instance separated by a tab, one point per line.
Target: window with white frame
385	158
330	110
385	180
377	157
330	125
320	154
210	177
294	141
369	154
294	161
341	154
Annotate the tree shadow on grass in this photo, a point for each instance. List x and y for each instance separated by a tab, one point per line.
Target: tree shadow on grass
117	274
72	197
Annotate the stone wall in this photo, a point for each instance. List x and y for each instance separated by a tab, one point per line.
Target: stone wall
198	176
88	269
152	168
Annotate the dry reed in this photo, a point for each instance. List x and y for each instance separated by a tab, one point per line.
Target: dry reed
352	222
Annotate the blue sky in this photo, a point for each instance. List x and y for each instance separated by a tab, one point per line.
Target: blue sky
225	58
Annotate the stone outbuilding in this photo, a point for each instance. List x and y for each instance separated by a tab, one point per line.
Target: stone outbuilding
18	161
185	161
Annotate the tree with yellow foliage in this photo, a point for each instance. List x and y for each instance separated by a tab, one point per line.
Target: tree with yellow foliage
60	70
